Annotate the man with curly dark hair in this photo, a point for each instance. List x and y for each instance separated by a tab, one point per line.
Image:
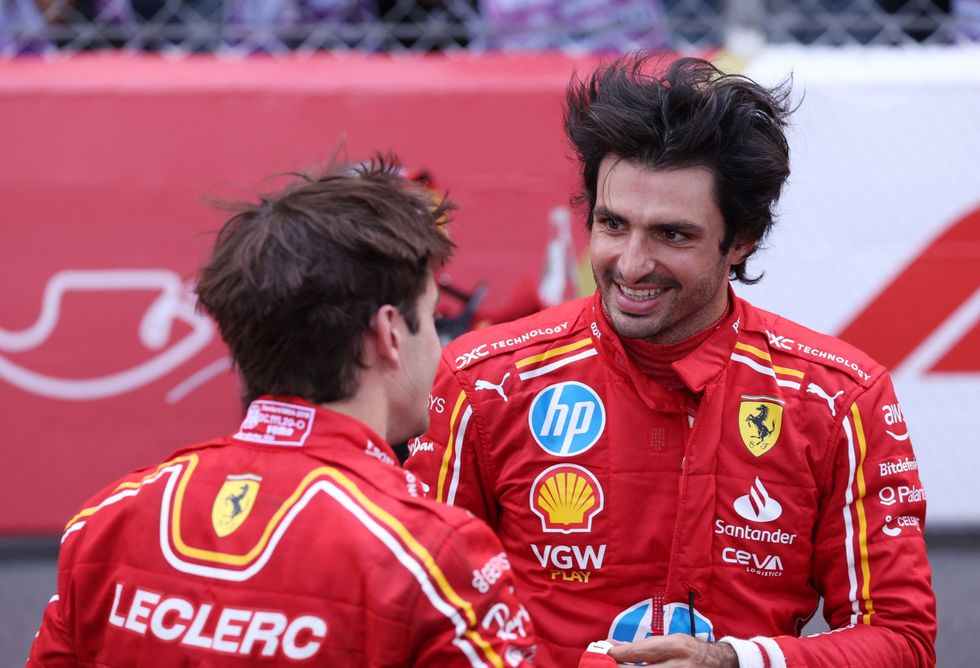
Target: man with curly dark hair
664	462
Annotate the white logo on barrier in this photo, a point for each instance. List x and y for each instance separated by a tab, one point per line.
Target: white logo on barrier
175	303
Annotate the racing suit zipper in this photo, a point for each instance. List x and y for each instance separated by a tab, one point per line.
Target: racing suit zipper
679	524
690	610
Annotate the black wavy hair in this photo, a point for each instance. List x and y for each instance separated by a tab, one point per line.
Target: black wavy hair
693	115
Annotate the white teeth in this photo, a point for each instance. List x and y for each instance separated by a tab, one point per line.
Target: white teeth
641	294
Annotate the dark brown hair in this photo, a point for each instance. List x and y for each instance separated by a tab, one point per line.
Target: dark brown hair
294	280
694	115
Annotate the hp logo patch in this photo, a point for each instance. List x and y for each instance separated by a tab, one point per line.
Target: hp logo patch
566	419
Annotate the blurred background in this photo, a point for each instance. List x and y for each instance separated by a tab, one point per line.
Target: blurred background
123	121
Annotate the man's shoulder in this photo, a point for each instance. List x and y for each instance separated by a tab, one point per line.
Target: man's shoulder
522	337
400	495
110	498
804	348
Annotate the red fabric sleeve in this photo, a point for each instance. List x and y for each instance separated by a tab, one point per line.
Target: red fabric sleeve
871	564
475	617
53	644
446	457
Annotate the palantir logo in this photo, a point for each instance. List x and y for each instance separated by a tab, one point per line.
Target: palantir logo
757	505
566	419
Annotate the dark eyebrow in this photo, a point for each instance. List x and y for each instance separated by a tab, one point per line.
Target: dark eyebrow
603	211
676	225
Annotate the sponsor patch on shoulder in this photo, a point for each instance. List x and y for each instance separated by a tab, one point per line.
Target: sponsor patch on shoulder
805	350
492	347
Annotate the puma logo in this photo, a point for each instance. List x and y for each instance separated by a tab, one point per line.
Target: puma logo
481	384
813	388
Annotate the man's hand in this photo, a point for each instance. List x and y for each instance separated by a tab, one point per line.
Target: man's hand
676	651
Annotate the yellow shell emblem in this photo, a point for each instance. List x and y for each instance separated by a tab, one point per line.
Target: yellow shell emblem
234	502
566	497
760	419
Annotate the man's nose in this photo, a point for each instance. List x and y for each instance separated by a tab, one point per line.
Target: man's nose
637	259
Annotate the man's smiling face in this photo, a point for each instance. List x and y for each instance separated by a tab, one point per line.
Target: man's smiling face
656	250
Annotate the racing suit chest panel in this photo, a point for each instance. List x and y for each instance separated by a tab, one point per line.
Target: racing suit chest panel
584	573
745	542
581	479
781	453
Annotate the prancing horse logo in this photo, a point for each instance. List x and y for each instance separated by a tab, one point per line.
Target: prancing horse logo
234	502
760	421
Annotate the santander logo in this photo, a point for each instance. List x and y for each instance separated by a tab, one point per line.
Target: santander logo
757	505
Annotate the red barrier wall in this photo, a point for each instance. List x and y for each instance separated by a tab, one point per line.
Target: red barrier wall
105	167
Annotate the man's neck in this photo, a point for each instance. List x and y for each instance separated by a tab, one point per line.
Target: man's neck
656	360
366	406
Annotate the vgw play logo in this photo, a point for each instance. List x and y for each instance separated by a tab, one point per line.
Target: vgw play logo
566	419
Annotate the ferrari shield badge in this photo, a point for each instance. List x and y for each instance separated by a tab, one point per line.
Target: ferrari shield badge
234	502
760	419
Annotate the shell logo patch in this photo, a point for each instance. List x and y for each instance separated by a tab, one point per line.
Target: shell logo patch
760	419
234	502
566	497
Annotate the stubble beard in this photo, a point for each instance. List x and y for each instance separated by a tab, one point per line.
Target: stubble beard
680	316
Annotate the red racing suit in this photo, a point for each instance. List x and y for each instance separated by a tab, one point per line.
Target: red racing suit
782	472
297	539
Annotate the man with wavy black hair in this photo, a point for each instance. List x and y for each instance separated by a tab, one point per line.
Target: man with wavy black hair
694	116
664	462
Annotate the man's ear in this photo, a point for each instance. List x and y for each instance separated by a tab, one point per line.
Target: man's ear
740	250
385	339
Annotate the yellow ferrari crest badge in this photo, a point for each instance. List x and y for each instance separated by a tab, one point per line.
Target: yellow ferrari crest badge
760	419
234	502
